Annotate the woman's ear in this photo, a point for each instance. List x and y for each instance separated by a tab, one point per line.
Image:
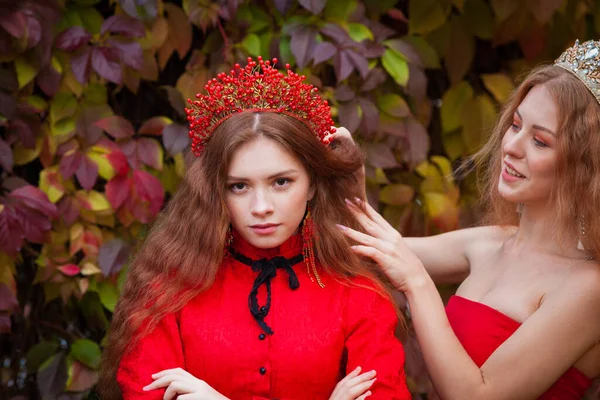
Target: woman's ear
312	191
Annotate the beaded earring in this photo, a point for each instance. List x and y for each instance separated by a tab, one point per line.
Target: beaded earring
228	241
308	246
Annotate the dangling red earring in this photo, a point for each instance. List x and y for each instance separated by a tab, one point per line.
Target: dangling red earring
308	246
228	241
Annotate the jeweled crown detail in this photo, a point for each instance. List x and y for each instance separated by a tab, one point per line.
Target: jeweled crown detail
583	60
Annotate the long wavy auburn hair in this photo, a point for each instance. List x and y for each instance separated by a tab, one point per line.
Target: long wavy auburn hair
575	196
183	250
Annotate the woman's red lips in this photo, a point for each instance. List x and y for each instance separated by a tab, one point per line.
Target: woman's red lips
264	229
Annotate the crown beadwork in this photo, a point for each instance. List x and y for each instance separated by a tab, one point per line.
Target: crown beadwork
583	60
258	87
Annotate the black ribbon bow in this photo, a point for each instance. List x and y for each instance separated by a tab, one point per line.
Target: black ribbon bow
267	270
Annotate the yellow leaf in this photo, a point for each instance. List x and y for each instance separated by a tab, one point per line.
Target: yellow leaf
25	71
479	116
453	102
499	85
442	210
63	127
52	184
179	164
106	218
426	15
94	200
98	155
397	194
7	270
90	269
23	155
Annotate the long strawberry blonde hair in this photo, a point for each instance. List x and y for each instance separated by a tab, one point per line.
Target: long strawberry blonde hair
183	250
576	193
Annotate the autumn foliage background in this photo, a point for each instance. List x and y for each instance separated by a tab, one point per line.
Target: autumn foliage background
92	132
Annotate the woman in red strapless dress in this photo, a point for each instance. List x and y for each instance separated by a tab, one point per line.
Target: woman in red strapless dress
525	321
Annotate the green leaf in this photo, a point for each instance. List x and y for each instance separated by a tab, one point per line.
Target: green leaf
453	103
92	19
108	295
395	65
393	105
63	105
251	44
339	10
499	85
454	145
63	127
479	19
25	71
359	32
429	57
260	19
426	15
478	117
95	93
285	50
87	352
397	194
39	353
37	102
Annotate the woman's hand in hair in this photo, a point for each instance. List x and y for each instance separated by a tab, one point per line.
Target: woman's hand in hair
342	133
182	385
355	386
384	245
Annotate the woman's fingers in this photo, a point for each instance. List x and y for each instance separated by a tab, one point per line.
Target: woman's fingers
364	396
360	237
176	371
377	218
177	387
163	381
370	252
370	226
362	387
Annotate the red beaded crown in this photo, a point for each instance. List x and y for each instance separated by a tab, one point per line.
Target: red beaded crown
259	87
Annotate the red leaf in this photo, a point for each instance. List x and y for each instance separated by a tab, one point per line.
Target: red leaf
118	161
34	225
154	126
6	156
87	173
80	64
72	38
150	191
14	23
323	52
112	256
302	44
104	65
49	80
86	118
116	126
123	25
118	190
314	6
8	300
175	138
69	164
68	210
131	53
129	149
69	269
148	151
35	199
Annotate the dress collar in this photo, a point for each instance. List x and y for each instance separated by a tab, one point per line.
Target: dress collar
288	249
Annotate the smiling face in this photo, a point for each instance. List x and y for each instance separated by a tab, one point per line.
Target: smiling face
266	192
529	150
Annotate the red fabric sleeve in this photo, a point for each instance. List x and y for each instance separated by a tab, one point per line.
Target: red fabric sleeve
159	350
371	343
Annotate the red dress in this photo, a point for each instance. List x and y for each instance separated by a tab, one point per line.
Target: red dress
296	343
482	329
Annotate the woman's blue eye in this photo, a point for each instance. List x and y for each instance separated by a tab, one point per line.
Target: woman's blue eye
539	143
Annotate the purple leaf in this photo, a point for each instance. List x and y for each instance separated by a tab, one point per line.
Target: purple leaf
80	64
375	78
34	198
283	6
148	151
6	156
323	52
406	49
8	79
7	104
49	80
373	50
70	163
14	23
124	25
116	126
343	65
68	210
314	6
175	138
87	173
349	116
129	149
131	53
302	44
370	120
34	31
26	134
150	192
106	68
344	93
379	155
86	127
418	142
417	82
51	379
11	235
337	33
360	62
130	8
112	256
72	38
380	31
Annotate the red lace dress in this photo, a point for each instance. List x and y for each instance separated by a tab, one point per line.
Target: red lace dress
264	330
482	329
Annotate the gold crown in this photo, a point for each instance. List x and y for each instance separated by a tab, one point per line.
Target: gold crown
583	61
